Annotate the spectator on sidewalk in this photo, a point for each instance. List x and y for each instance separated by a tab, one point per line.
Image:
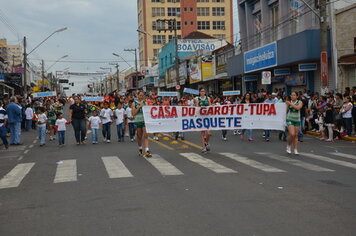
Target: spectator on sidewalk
3	129
14	113
346	112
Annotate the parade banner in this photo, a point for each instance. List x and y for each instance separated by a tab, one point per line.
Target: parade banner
225	117
44	94
93	99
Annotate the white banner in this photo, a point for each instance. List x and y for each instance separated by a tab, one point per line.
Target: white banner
226	117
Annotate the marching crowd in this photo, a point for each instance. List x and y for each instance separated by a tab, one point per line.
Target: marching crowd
332	114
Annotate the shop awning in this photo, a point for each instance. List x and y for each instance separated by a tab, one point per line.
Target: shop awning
348	59
7	86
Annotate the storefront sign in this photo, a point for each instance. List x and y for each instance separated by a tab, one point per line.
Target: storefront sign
282	71
191	91
278	79
249	78
227	117
193	45
232	93
308	67
194	70
167	94
261	58
93	99
266	77
208	67
14	78
2	77
45	94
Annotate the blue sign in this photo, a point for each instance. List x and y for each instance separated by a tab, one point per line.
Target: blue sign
283	71
232	93
93	99
249	78
167	94
260	58
2	77
45	94
308	67
191	91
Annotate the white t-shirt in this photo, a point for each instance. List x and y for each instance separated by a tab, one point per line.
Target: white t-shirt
120	113
130	118
42	118
61	123
106	115
94	122
347	114
3	116
191	102
29	113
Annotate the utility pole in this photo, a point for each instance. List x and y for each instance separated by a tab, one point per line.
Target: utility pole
117	77
43	77
172	26
136	69
24	67
323	46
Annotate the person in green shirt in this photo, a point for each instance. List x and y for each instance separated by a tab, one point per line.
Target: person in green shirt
293	122
137	112
203	101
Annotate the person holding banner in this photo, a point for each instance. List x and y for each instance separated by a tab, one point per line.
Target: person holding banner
203	101
293	122
247	100
137	112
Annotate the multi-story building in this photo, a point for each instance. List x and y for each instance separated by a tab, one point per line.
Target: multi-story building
11	53
283	37
212	17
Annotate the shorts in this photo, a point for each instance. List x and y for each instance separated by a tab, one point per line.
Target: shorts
52	122
294	123
140	125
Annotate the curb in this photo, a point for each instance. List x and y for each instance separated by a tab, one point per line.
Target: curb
342	138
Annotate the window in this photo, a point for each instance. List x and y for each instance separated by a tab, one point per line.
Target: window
203	25
155	1
218	11
155	52
171	25
173	1
159	39
203	11
275	21
218	0
219	36
157	11
173	11
219	25
258	28
158	25
203	1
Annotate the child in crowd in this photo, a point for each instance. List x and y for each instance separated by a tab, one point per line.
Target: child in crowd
120	117
61	128
320	122
130	121
329	122
29	117
106	116
94	122
41	125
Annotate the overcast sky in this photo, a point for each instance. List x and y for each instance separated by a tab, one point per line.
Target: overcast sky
96	29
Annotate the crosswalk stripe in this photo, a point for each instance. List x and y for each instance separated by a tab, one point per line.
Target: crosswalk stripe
344	155
294	162
66	171
163	166
207	163
16	175
330	160
116	168
251	163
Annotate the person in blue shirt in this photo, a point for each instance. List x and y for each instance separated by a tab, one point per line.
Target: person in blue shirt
14	114
3	130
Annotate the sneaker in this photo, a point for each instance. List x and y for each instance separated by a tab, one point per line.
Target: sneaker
204	150
50	138
7	146
263	135
132	140
78	143
148	154
108	141
267	139
250	139
140	152
225	139
104	139
93	142
207	147
288	150
296	152
239	132
329	140
235	132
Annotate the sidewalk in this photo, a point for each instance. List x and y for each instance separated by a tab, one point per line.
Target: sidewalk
352	139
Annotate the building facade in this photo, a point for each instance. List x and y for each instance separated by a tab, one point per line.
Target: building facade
212	17
283	37
11	53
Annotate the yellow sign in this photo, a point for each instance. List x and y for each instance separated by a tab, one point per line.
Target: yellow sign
207	64
36	89
39	82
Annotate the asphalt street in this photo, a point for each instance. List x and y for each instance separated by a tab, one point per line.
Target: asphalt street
239	188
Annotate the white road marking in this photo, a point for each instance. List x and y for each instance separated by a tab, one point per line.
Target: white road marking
163	166
251	163
344	155
294	162
14	148
116	168
20	158
35	141
207	163
66	172
330	160
16	175
26	151
31	146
